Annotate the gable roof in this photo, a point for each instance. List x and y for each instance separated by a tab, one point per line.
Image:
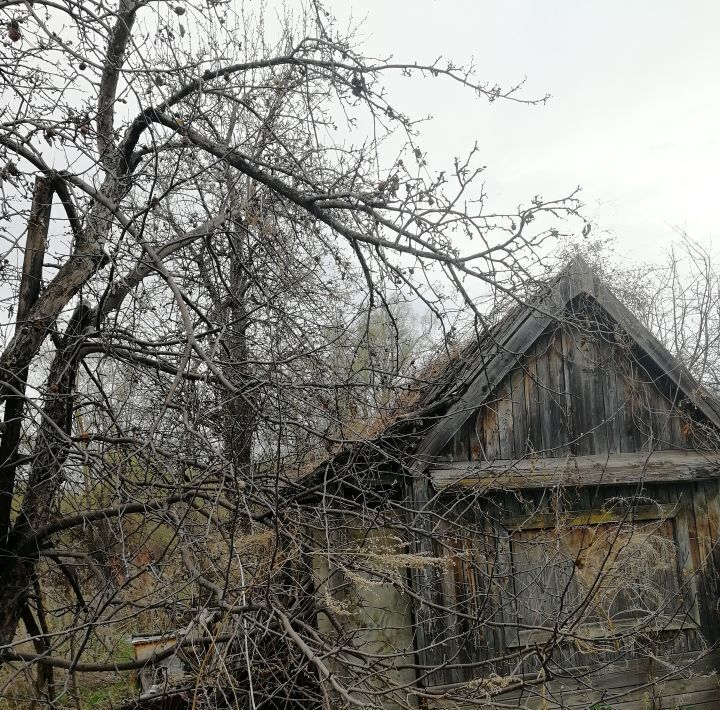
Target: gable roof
502	347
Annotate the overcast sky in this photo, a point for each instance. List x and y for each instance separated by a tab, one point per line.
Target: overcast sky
634	116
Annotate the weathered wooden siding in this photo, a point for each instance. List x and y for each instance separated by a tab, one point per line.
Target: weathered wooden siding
481	582
579	391
636	685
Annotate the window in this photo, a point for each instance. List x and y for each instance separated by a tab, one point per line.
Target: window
596	574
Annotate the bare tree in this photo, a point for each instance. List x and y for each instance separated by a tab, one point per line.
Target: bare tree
202	205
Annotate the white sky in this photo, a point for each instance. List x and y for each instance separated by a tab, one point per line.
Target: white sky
634	116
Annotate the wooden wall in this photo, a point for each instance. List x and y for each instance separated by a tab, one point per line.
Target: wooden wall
480	624
579	391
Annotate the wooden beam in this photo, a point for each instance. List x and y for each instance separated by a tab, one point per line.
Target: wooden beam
576	471
581	518
583	686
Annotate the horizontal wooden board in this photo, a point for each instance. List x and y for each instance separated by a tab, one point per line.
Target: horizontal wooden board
670	695
607	469
638	685
572	518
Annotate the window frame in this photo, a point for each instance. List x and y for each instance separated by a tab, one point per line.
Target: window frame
517	637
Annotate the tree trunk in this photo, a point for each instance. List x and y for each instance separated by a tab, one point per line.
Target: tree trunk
44	682
239	415
30	282
46	477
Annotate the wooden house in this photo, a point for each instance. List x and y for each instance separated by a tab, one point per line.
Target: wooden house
565	488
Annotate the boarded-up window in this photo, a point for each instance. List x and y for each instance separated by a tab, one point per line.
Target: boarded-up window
593	575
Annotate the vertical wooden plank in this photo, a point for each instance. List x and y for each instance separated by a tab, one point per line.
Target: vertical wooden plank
503	590
485	560
676	425
573	358
461	443
586	423
532	402
451	586
632	440
486	431
624	404
569	367
481	640
653	414
622	366
493	574
712	500
611	408
706	572
661	421
596	421
641	405
669	394
426	580
483	434
505	419
688	557
545	395
558	431
676	430
648	400
508	612
447	452
476	447
519	413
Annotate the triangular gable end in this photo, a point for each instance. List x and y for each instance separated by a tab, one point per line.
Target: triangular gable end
525	328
